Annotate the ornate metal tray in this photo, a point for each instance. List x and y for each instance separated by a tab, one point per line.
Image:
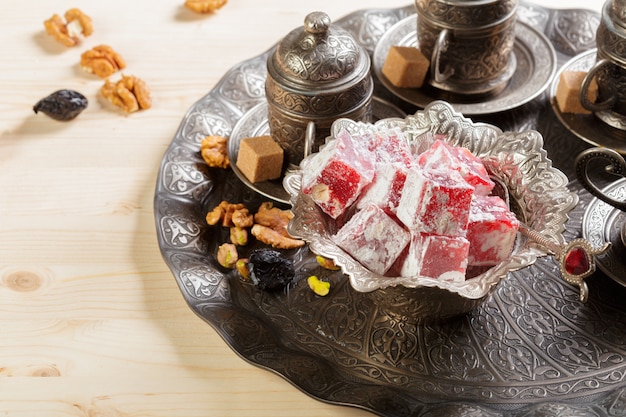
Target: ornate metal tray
532	349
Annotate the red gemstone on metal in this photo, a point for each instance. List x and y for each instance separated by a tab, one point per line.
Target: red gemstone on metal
577	261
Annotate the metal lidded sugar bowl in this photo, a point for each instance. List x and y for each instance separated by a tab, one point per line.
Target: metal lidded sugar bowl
317	73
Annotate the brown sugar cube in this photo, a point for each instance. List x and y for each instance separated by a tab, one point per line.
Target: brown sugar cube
260	158
406	67
568	89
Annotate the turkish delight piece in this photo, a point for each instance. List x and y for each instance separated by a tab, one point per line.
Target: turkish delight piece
389	146
385	189
445	156
491	230
440	257
435	201
373	238
444	257
335	176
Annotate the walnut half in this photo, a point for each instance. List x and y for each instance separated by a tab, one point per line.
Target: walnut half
102	61
214	151
130	93
69	31
204	6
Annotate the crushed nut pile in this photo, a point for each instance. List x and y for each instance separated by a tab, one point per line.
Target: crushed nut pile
268	225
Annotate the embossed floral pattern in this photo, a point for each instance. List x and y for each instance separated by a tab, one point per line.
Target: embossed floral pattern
532	349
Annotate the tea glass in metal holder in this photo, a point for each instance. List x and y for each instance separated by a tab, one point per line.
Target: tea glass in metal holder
609	71
469	43
617	166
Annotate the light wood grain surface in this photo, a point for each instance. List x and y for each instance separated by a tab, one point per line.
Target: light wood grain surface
92	322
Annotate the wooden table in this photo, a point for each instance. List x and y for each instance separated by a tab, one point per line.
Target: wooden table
91	319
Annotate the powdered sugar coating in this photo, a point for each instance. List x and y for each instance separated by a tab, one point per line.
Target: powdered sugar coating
441	155
373	238
492	230
435	201
386	188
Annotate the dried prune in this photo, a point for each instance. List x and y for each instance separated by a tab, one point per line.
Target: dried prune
62	105
269	269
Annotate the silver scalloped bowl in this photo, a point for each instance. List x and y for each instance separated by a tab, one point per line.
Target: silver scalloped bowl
538	194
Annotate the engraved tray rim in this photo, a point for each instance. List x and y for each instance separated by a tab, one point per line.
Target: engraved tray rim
182	185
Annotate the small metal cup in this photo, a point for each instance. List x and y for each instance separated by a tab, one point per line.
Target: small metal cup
469	43
618	10
617	166
317	73
609	71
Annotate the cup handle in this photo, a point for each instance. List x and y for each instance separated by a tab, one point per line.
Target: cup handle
583	93
309	138
617	166
441	45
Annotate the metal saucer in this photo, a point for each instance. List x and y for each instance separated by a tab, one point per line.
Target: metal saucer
587	127
536	66
254	123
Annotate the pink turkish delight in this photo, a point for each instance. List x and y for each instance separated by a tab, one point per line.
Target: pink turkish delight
385	189
373	238
436	256
389	147
491	231
335	177
442	155
435	201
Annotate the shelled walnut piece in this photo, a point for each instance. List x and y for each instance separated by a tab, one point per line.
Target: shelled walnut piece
214	151
204	6
271	227
268	225
275	238
230	215
102	61
129	93
69	31
269	216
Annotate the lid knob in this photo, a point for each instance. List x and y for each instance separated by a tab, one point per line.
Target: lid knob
318	52
317	23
